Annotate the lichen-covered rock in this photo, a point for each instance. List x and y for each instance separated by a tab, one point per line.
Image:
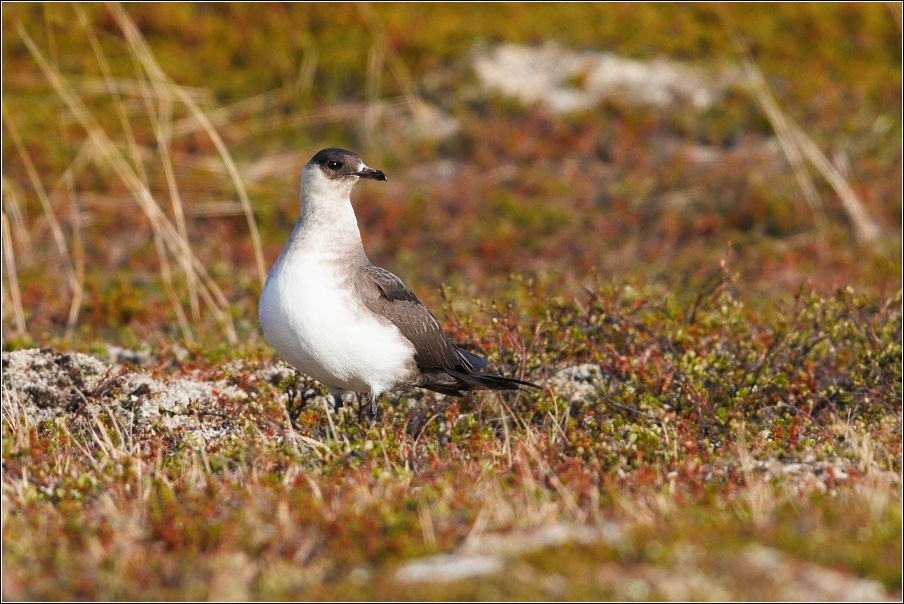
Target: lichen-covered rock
49	384
582	383
568	80
51	380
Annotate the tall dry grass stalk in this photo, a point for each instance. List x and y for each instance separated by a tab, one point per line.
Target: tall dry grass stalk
421	111
897	14
78	255
121	153
142	52
56	230
12	207
169	239
305	81
798	145
9	269
163	148
223	116
93	86
372	93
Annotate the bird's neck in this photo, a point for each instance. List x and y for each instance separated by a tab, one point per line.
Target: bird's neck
327	223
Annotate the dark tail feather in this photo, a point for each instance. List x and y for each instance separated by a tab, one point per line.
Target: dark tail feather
471	361
455	383
487	381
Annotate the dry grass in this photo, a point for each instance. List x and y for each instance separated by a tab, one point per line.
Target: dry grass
257	520
762	446
170	240
798	146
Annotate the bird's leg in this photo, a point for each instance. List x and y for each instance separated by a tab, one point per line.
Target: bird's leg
370	405
362	403
336	395
338	400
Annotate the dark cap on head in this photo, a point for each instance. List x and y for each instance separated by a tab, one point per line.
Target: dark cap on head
338	163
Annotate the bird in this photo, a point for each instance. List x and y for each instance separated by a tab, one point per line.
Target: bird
352	326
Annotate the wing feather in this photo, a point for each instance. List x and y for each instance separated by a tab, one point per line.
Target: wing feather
386	295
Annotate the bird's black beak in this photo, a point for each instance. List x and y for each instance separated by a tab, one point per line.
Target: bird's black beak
371	173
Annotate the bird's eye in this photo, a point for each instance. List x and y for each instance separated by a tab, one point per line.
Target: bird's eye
333	165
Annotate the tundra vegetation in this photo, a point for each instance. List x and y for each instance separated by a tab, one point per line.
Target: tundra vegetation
683	222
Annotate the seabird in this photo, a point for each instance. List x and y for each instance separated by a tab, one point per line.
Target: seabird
350	325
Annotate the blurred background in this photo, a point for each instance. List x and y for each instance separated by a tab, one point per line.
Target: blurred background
152	152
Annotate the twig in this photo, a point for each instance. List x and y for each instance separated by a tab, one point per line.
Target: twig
626	408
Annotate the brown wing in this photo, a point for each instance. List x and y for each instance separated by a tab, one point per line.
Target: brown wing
384	294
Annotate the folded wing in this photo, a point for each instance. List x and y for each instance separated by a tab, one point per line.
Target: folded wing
444	366
386	295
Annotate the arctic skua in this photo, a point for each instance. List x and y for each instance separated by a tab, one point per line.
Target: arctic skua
353	326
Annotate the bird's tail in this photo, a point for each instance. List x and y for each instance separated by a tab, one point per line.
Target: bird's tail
455	383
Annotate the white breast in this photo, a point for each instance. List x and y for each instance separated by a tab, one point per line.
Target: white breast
310	318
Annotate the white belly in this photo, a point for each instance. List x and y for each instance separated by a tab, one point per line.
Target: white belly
314	325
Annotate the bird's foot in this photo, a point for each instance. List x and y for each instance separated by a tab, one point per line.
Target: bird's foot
367	407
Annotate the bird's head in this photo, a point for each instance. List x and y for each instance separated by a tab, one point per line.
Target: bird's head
335	171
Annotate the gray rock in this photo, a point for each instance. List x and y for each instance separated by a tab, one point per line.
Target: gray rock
50	384
568	80
448	567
